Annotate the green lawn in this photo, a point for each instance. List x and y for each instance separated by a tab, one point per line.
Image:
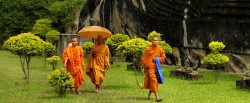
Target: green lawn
119	87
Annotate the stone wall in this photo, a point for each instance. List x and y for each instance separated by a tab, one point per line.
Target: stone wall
205	21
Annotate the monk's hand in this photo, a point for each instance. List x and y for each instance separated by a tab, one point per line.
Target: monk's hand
65	65
154	59
106	67
93	54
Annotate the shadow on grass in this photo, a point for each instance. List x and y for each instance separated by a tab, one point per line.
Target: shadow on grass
241	90
51	95
115	86
140	98
202	83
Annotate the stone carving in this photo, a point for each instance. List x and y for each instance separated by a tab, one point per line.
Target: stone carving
187	66
178	66
191	70
247	73
186	72
195	67
244	83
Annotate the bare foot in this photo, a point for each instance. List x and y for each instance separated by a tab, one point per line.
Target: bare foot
159	99
71	90
149	94
77	92
97	90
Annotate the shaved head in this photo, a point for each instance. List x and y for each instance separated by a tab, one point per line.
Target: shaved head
99	40
155	41
74	41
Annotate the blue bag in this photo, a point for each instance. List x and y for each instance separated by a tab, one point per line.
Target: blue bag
159	74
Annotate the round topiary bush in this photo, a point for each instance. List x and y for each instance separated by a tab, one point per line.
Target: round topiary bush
215	59
60	79
154	34
53	61
87	46
134	47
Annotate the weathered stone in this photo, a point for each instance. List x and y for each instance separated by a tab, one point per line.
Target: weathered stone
205	21
243	84
186	75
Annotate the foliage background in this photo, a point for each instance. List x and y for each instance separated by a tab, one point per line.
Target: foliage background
18	16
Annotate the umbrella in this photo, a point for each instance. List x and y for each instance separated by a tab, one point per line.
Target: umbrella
94	32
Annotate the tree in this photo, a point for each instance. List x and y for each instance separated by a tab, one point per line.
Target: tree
42	27
166	47
215	59
66	13
49	49
19	16
133	48
53	61
87	46
25	45
115	41
52	35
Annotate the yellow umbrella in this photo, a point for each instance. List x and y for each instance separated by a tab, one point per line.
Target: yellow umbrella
94	32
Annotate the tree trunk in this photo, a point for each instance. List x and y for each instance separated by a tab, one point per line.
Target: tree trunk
45	64
22	60
216	74
54	66
71	29
27	64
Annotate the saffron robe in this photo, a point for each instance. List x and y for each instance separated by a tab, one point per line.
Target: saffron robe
96	65
147	59
75	63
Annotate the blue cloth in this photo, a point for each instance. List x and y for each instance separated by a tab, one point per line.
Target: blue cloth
159	74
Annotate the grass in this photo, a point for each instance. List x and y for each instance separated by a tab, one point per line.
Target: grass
119	87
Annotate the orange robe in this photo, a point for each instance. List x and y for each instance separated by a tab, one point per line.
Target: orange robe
75	63
150	79
96	65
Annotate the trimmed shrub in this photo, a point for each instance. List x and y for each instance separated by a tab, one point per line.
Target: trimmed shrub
154	34
166	47
60	79
52	35
215	59
87	46
134	47
53	61
25	45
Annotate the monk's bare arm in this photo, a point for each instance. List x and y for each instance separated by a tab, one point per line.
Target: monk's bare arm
82	58
107	64
65	58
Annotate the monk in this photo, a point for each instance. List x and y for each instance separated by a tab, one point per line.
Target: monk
74	63
98	62
148	62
